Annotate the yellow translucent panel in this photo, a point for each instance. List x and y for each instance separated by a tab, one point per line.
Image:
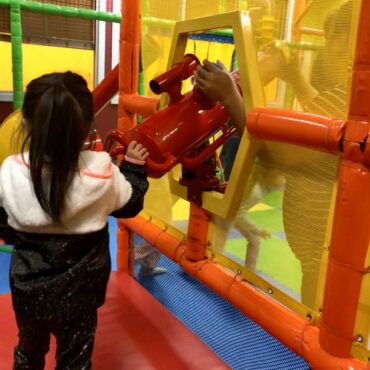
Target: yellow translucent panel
288	193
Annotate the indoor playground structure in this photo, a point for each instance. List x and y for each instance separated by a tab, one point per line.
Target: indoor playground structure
303	159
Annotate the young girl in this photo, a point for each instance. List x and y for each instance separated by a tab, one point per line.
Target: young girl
57	197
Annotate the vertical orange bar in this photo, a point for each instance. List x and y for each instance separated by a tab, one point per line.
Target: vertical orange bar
351	227
123	249
129	59
348	250
197	233
299	9
128	84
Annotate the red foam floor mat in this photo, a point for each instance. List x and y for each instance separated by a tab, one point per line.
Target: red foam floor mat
135	332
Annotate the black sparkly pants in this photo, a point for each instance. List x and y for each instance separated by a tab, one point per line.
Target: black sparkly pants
75	342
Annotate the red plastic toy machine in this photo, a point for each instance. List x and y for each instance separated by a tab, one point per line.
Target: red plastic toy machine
180	132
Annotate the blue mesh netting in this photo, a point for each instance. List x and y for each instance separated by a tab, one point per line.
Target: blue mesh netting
241	343
212	38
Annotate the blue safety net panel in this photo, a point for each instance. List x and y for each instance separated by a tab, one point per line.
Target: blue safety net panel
241	343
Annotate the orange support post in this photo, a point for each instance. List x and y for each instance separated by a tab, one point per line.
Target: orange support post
130	103
351	224
299	11
129	60
128	85
124	264
349	243
351	229
197	233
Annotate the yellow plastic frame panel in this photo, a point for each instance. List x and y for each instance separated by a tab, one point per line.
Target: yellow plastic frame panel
227	204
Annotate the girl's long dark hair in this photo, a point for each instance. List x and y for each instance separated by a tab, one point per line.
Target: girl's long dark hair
58	112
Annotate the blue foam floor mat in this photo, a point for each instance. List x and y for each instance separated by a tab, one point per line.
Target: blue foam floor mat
4	272
241	343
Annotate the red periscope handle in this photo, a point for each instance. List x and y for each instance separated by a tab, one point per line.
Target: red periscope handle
154	169
299	128
170	81
191	163
157	170
112	137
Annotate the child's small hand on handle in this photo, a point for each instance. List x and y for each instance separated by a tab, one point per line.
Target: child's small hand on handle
136	153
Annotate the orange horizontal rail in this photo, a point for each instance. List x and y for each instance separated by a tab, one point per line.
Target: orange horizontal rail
305	129
311	31
293	331
143	105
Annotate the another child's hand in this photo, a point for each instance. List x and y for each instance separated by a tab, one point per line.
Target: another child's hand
136	153
278	62
215	81
264	234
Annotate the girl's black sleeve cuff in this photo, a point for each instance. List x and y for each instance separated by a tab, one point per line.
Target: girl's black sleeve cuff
6	232
136	176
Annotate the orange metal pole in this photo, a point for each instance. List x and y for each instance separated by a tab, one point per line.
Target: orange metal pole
129	60
292	330
143	105
299	9
351	230
197	233
128	85
123	250
349	243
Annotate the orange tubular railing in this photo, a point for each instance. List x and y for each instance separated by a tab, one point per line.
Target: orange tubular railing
129	60
129	103
105	91
197	233
295	332
305	129
128	85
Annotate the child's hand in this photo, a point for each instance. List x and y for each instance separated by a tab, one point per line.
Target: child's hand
279	62
264	234
136	153
215	81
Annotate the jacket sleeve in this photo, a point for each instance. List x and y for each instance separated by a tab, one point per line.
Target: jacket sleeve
136	176
6	232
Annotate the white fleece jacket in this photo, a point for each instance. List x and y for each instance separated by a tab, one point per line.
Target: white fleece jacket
97	190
